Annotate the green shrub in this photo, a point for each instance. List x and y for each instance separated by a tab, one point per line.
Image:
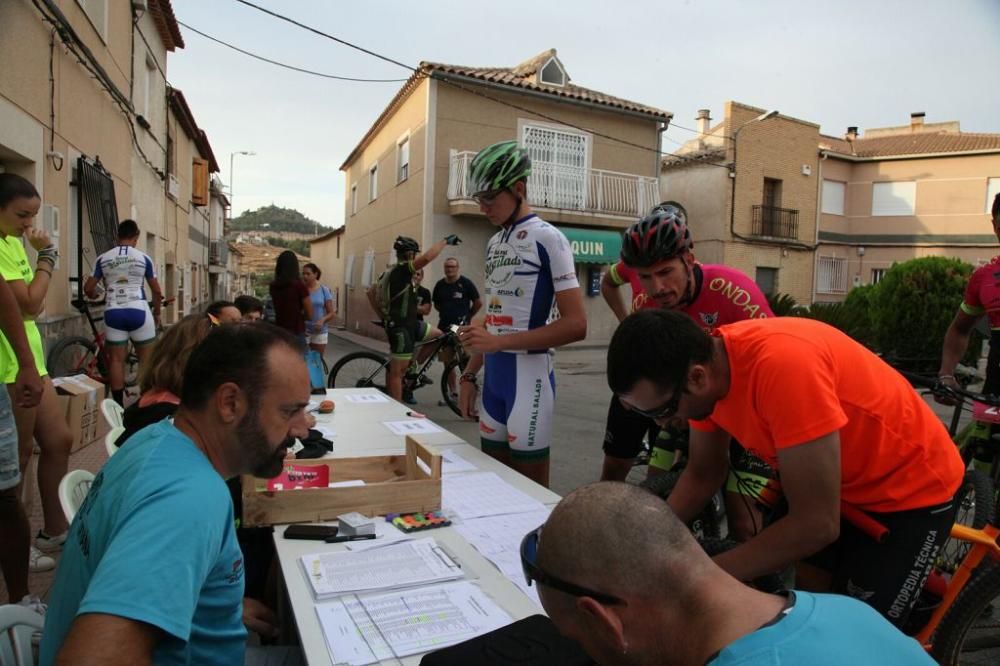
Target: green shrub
782	305
912	307
847	317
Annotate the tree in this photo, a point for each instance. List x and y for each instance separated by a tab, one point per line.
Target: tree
276	218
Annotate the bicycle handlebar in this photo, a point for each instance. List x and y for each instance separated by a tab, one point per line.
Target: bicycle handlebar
939	388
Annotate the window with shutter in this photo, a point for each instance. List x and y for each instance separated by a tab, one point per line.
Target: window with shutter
894	199
559	167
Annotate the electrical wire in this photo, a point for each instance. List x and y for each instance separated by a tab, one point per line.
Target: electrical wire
287	66
479	93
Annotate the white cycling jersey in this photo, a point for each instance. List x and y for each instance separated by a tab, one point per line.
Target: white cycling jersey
526	264
125	270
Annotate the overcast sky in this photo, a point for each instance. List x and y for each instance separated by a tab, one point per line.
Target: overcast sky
835	63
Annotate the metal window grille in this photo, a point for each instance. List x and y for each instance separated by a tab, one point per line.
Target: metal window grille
559	167
831	275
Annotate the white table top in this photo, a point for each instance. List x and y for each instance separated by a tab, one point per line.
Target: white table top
359	432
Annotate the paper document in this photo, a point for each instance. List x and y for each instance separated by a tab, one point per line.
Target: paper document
453	462
498	539
468	496
365	629
413	427
325	429
366	398
399	565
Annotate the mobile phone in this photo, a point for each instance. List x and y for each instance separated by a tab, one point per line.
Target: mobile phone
314	532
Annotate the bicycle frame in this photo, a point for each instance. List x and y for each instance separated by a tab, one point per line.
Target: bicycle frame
984	544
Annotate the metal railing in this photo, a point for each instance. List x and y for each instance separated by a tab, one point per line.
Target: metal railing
569	188
774	222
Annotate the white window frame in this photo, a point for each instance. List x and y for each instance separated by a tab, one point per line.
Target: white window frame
368	268
834	197
96	12
992	189
562	73
354	198
349	271
373	182
403	143
835	280
542	179
878	274
889	198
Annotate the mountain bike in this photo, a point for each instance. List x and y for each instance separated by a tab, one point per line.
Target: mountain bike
77	354
368	369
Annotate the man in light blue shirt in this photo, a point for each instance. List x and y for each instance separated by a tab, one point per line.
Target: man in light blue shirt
151	571
643	591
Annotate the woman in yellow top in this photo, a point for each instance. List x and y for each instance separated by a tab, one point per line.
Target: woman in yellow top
46	423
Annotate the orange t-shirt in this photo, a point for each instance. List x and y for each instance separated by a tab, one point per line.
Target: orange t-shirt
794	380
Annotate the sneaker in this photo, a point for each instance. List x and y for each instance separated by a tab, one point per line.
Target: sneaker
425	380
39	562
33	603
50	544
408	398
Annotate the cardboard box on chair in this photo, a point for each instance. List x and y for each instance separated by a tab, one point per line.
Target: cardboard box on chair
81	397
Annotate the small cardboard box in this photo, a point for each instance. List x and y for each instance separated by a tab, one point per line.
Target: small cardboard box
81	397
392	484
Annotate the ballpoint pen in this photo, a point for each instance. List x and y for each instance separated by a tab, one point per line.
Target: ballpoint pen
356	537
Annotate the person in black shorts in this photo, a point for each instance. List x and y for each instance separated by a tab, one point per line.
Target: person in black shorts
457	301
400	308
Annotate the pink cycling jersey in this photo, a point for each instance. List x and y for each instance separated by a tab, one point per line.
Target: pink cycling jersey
982	294
726	296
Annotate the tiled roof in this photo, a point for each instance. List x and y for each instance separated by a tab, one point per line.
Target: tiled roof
166	24
524	75
918	143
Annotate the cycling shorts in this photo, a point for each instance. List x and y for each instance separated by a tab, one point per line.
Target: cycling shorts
623	439
134	322
404	337
518	403
888	576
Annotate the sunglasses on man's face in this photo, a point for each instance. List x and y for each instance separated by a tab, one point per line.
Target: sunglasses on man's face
487	198
532	572
665	411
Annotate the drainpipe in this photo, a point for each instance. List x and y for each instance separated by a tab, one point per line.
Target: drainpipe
819	210
659	160
732	173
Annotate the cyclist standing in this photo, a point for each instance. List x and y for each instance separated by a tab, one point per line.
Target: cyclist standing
400	308
125	270
529	268
846	432
658	262
982	297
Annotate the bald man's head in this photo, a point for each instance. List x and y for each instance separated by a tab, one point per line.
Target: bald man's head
622	540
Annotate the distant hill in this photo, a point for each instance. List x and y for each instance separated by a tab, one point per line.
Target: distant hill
276	218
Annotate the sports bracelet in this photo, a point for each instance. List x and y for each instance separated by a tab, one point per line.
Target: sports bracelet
39	269
946	376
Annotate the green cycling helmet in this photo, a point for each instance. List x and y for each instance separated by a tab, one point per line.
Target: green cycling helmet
498	167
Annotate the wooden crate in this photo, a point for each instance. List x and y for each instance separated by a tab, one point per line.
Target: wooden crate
393	484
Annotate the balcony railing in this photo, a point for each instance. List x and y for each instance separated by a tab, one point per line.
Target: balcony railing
569	188
773	222
218	252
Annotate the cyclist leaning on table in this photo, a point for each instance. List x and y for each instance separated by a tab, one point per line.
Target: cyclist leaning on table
839	425
125	270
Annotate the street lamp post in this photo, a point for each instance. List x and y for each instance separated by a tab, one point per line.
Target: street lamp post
732	172
249	153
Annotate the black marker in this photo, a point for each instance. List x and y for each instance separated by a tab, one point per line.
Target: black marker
356	537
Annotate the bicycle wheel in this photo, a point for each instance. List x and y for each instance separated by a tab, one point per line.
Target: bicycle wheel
707	524
360	370
975	509
452	370
73	356
131	367
970	630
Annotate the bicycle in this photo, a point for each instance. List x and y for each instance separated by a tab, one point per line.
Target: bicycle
368	369
77	354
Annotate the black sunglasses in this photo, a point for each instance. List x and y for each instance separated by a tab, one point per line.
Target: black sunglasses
664	412
529	557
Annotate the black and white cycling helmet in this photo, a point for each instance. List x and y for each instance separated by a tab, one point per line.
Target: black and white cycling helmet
405	244
663	234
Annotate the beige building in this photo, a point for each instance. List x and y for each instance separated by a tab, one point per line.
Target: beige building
595	165
86	115
812	216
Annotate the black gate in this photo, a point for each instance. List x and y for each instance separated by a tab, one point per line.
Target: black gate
96	199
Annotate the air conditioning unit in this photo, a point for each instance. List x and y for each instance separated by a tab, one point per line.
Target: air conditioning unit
173	186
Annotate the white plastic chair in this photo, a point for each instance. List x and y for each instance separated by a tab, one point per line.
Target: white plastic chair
73	490
111	438
17	624
113	412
